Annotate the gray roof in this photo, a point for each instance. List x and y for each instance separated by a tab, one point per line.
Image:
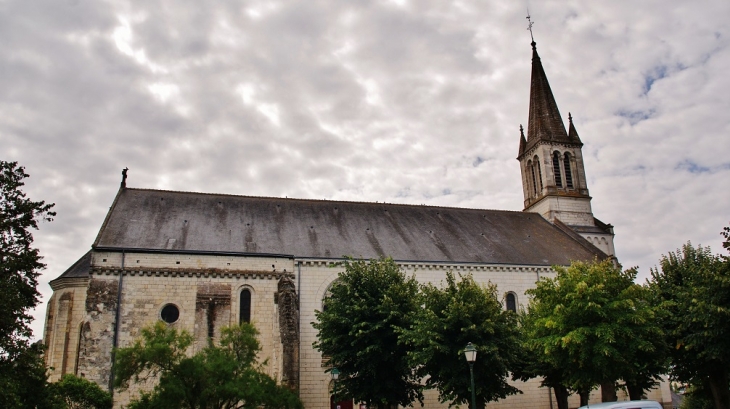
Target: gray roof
197	222
79	269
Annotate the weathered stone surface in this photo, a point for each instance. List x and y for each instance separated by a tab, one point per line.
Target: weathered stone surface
212	311
288	304
97	334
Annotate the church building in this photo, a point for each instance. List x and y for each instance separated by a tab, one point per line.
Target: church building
201	261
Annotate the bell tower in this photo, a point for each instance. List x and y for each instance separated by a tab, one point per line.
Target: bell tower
551	161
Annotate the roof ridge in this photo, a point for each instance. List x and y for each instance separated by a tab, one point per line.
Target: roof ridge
577	237
121	189
318	200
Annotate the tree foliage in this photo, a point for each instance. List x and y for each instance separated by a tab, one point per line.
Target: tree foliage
358	330
461	312
593	325
535	362
72	392
20	266
219	377
25	381
693	286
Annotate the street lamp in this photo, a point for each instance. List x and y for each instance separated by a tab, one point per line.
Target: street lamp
335	375
471	355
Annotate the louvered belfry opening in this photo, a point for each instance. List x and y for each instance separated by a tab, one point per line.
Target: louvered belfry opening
556	169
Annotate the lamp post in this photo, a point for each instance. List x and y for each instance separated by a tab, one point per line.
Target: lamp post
471	355
335	375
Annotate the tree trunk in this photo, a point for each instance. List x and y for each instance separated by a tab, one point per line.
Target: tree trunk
561	396
608	392
584	395
718	382
635	392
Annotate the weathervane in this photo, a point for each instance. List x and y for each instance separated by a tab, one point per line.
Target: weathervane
529	25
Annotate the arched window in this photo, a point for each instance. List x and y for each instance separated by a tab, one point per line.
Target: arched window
511	302
245	307
539	173
556	169
568	173
534	182
78	349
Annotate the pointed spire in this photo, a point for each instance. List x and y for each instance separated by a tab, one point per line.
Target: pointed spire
523	141
572	133
544	122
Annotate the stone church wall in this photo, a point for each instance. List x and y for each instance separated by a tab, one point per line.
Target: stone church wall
205	289
569	210
64	317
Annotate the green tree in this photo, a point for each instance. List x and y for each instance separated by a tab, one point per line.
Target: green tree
698	396
20	266
72	392
27	387
461	312
536	363
358	331
694	288
219	377
592	325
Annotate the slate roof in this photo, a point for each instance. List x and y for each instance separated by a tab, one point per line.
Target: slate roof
157	220
79	269
544	122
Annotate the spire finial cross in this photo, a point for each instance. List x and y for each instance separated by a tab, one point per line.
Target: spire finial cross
529	25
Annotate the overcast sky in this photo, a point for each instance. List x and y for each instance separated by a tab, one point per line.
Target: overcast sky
400	101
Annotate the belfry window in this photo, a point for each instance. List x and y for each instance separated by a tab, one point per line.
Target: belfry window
568	173
511	302
534	182
556	169
539	173
245	307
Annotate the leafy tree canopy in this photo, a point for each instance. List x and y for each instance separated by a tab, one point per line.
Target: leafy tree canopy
358	330
72	392
20	265
24	383
693	286
218	377
592	325
461	312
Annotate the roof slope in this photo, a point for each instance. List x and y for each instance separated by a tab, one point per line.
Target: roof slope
545	122
197	222
79	269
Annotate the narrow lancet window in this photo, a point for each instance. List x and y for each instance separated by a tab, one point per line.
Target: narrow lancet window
245	308
511	302
539	173
534	182
556	169
568	173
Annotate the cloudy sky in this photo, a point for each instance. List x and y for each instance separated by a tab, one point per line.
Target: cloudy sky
401	101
